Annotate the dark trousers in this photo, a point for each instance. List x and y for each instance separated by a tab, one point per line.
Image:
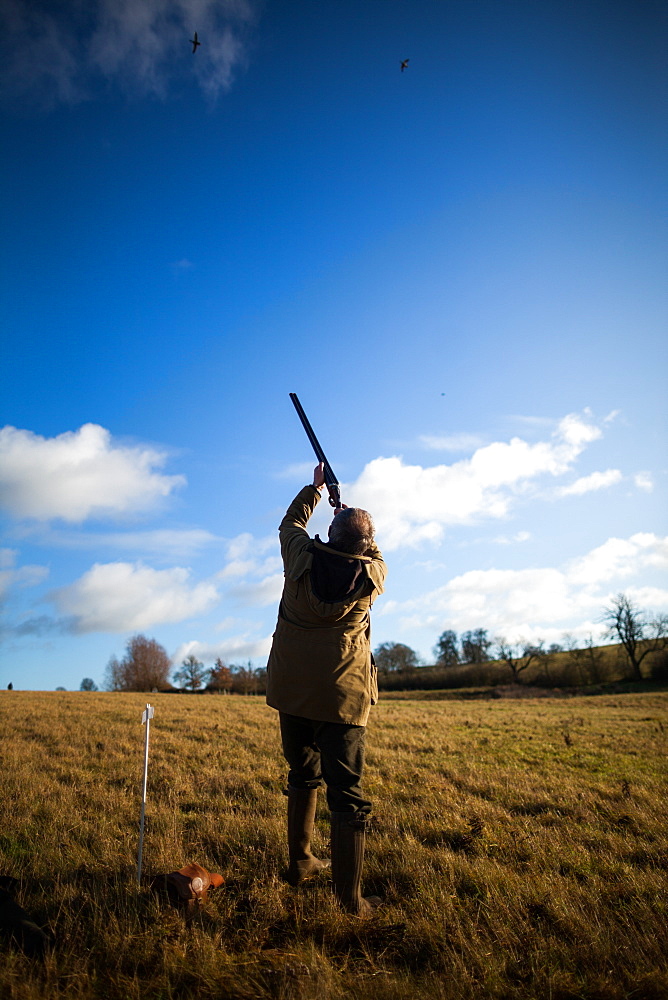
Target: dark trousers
332	751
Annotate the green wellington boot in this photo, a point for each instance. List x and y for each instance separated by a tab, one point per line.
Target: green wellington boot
301	816
348	835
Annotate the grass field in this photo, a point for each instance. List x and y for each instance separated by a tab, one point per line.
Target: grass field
521	848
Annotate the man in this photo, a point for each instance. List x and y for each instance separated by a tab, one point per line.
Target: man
322	679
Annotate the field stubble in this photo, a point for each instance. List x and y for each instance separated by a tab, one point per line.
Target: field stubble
521	849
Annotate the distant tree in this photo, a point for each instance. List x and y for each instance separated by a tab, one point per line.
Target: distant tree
261	678
639	633
10	686
113	674
246	680
220	677
555	647
446	649
144	667
586	658
88	684
475	646
61	688
395	657
191	674
519	656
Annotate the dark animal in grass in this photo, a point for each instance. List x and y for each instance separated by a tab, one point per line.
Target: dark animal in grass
187	889
16	925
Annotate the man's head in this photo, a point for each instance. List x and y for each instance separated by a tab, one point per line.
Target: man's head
351	531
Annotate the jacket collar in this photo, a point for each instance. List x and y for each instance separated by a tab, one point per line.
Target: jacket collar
335	552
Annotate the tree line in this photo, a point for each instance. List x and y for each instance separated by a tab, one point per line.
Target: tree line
146	666
638	633
459	660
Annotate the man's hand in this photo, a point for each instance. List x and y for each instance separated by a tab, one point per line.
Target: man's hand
319	476
344	506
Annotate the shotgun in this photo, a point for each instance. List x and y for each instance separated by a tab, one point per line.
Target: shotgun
331	482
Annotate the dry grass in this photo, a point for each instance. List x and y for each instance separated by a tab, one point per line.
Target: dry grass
520	846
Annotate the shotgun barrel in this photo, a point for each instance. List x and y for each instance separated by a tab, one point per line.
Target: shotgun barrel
331	482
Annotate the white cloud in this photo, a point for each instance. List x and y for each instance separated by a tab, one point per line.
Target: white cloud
41	59
503	600
13	576
247	546
230	623
300	471
259	594
412	504
530	603
236	568
594	481
518	537
79	474
619	558
651	599
7	558
536	423
644	481
451	442
247	558
236	649
125	597
138	45
167	543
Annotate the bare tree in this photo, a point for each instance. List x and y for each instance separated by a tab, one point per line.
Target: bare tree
446	649
519	656
638	632
191	674
144	667
587	659
395	657
113	674
246	680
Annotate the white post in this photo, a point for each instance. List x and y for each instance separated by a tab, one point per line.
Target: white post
145	719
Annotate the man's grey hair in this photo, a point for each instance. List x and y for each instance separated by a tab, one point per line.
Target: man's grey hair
352	531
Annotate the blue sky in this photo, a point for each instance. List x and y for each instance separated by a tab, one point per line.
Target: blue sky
460	269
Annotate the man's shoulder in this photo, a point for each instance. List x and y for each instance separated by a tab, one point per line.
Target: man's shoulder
297	551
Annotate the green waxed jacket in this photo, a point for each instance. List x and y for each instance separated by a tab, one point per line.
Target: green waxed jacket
320	665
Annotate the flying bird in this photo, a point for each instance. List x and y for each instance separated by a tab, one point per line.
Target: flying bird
194	42
404	62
